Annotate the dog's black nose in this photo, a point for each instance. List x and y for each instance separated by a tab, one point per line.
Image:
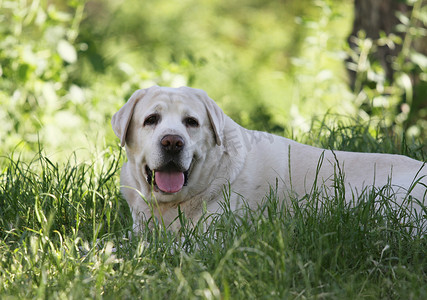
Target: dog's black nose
172	143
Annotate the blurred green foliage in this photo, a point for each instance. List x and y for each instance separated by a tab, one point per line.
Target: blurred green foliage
258	59
67	66
399	103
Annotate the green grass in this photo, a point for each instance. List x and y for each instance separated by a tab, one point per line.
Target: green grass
64	235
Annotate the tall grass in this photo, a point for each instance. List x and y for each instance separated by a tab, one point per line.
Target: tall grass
42	194
64	234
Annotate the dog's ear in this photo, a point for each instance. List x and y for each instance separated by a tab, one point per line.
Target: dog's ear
215	114
121	119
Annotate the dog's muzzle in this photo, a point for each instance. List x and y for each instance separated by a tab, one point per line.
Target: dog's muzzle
169	179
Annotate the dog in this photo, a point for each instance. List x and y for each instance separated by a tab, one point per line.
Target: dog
183	151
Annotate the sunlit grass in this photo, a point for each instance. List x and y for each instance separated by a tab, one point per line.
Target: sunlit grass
65	234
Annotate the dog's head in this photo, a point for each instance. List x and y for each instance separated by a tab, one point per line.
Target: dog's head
168	133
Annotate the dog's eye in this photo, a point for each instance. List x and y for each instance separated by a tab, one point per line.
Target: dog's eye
191	122
152	120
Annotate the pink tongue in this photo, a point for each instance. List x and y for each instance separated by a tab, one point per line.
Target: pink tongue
169	182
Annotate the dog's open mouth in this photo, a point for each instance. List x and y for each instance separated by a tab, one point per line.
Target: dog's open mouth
168	179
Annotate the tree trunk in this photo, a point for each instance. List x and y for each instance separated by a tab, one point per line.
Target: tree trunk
374	17
379	18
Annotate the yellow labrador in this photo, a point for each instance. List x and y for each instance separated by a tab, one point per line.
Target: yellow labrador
182	150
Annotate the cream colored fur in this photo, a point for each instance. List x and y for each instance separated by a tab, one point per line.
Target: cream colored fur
220	153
